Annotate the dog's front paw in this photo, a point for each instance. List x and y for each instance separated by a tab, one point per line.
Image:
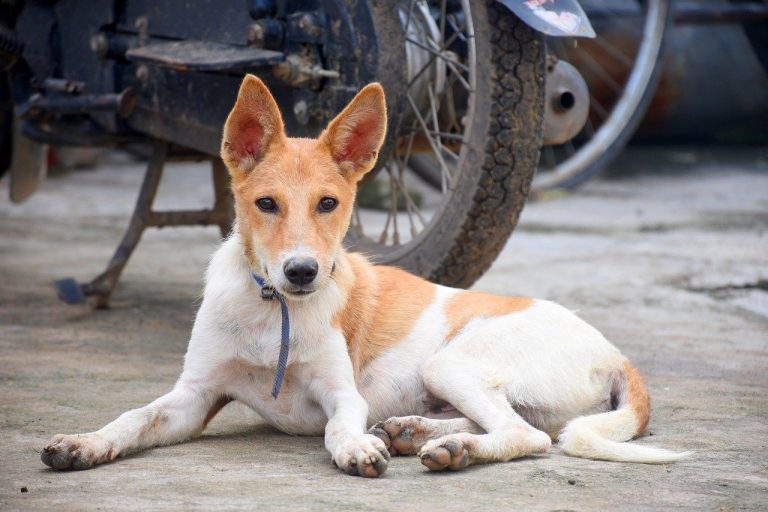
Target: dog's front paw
363	455
79	451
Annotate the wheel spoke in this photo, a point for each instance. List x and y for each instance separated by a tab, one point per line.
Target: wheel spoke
430	61
410	205
613	51
425	130
598	107
393	207
443	6
440	52
602	73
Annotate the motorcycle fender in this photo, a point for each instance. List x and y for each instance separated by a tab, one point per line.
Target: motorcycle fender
559	18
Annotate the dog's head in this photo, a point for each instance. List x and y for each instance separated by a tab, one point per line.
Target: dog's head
294	197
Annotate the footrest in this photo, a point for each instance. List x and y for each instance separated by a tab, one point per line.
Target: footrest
203	56
70	291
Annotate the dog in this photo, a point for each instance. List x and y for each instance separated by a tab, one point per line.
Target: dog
456	377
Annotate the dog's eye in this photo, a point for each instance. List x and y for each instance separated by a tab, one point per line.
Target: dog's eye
266	204
327	204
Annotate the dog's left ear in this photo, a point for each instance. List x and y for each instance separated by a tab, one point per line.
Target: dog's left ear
355	136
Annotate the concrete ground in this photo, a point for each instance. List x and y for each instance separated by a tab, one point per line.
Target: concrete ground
667	258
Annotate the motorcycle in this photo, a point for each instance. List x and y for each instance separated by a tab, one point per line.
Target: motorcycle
464	80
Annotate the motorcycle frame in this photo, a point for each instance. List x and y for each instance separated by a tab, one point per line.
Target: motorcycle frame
109	88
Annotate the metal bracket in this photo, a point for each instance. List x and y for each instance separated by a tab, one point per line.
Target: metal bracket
267	293
100	289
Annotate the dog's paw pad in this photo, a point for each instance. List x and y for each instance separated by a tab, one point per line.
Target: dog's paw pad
379	431
450	454
399	434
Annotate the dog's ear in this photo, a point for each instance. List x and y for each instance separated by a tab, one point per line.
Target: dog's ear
253	125
355	136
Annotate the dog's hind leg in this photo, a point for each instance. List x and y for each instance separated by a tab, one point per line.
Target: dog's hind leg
407	434
172	418
508	435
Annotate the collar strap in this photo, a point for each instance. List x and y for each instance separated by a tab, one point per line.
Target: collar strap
268	293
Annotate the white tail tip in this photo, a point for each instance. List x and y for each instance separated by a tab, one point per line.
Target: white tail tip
589	444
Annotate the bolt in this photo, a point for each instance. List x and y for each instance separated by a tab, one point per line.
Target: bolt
300	111
141	23
309	25
142	27
142	73
255	34
100	44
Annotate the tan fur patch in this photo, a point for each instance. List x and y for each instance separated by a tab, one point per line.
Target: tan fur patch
383	304
637	397
466	305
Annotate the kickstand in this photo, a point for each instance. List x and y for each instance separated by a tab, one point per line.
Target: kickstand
100	289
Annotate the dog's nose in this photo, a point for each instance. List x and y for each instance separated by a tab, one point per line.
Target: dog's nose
300	271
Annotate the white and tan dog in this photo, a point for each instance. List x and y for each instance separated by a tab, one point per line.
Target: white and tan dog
464	377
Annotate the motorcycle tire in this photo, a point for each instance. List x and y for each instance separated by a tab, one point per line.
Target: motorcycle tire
491	181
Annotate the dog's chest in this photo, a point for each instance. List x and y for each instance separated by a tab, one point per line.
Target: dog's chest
293	411
255	335
248	364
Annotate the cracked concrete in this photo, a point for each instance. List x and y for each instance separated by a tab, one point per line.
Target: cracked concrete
666	258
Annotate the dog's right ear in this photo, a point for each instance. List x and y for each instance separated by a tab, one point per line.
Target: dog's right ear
253	125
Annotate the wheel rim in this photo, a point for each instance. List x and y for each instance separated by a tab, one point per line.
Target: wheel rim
441	62
562	166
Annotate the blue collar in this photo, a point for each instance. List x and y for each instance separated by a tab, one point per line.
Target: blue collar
268	293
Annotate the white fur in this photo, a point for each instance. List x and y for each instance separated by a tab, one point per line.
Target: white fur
517	376
600	437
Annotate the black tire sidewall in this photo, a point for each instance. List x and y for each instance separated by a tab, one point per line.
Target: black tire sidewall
478	216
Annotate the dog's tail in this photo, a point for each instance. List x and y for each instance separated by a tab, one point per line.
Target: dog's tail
602	436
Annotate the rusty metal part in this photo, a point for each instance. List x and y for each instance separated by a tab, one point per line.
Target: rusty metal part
142	73
100	44
142	27
100	289
122	103
266	33
29	166
115	45
203	56
566	105
696	12
79	132
63	85
255	34
297	70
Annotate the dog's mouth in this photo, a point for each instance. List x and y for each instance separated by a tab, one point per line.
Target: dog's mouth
300	292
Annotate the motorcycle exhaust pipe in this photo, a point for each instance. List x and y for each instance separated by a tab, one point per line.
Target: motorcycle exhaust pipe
566	103
123	104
